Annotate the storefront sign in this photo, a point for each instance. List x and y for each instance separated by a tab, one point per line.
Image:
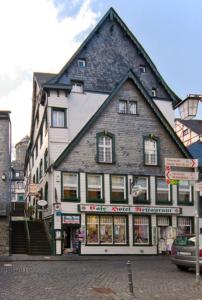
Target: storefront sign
71	220
33	189
129	209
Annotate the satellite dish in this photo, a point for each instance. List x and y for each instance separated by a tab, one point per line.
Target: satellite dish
42	203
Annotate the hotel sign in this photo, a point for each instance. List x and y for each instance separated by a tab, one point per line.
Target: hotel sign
129	209
71	219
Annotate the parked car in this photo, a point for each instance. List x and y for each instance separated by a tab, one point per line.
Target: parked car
183	252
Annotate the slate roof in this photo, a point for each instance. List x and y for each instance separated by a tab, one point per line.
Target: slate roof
111	13
194	125
130	75
196	151
41	78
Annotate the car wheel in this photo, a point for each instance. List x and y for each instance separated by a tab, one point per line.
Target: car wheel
182	268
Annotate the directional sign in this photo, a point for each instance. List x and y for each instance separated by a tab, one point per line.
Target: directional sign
181	175
181	162
198	186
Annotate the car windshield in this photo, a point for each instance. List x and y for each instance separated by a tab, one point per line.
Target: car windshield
186	241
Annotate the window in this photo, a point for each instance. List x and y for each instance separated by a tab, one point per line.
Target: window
20	197
105	148
32	160
77	86
46	192
36	150
184	193
107	229
142	68
184	225
163	191
41	137
118	189
41	169
59	117
70	186
81	63
154	92
127	107
37	175
17	174
46	160
34	181
150	151
144	195
185	132
141	230
94	188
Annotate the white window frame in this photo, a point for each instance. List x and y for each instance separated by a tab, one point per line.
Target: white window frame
143	188
154	92
77	87
141	222
57	113
124	107
102	147
70	185
150	153
187	190
94	186
81	63
184	222
167	190
119	187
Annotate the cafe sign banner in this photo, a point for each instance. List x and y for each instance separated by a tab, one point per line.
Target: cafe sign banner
129	209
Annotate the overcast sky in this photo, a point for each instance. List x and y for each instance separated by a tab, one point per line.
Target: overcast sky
41	35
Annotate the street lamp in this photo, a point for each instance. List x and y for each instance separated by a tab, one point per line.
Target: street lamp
188	107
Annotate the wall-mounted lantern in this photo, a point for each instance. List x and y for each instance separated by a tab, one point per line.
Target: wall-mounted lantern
188	107
3	177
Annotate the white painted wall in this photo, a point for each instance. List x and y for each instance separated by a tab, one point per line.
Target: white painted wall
167	110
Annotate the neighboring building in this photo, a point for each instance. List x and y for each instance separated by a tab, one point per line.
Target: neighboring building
17	179
93	109
5	163
189	131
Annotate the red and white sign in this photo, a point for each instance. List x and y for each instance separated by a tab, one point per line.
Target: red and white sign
71	220
181	162
181	175
33	189
129	209
198	186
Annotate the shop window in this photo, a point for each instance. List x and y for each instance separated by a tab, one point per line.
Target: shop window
94	188
163	221
105	148
150	151
144	194
163	192
118	188
141	230
107	229
70	186
185	196
185	225
58	118
92	229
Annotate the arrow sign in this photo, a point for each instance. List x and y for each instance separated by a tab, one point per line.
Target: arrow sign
182	175
181	162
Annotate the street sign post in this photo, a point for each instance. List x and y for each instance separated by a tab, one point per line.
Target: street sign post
191	176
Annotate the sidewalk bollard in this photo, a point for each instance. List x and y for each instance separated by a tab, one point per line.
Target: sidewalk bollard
130	277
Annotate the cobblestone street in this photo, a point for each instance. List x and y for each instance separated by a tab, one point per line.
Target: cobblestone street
100	278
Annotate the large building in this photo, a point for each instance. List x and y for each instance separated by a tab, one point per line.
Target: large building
99	127
5	164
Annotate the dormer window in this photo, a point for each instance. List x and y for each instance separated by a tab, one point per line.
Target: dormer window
81	63
154	93
142	68
77	86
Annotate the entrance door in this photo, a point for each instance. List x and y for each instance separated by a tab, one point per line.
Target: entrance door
71	239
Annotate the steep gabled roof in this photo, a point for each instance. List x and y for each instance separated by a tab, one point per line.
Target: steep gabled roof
113	15
41	78
194	125
130	75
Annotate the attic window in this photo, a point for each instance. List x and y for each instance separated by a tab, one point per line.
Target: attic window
142	68
154	93
81	63
77	86
185	132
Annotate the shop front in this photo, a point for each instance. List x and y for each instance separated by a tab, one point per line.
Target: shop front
71	232
116	229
